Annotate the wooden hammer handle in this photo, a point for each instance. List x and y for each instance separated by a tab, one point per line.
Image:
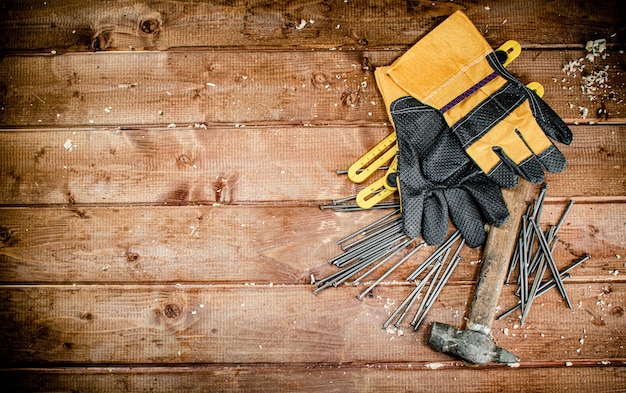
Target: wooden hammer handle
496	256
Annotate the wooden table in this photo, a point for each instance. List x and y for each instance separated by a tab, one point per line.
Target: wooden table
162	164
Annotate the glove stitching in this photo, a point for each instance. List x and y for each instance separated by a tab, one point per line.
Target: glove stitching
477	109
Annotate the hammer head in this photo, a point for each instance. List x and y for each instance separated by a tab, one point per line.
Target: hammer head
469	345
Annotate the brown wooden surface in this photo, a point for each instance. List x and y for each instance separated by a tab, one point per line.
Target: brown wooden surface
161	168
299	87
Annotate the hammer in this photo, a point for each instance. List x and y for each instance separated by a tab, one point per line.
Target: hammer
474	344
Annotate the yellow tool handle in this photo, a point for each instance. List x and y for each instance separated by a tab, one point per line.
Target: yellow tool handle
378	190
380	154
512	49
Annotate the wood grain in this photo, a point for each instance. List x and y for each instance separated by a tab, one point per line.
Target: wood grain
412	377
288	87
96	25
246	245
161	167
295	165
182	324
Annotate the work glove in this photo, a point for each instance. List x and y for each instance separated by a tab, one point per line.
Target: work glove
494	119
467	197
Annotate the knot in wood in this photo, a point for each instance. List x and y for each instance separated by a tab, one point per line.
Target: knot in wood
172	310
5	234
319	80
86	316
149	26
132	256
185	160
617	311
350	99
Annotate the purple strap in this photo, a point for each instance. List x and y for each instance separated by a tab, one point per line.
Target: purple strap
468	92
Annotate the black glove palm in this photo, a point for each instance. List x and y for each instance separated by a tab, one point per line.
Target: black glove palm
468	198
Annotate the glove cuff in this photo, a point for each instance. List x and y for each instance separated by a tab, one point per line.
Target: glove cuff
389	90
447	69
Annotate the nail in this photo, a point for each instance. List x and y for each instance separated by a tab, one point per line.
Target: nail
345	171
408	299
355	207
567	209
367	227
429	297
440	286
539	202
393	225
408	306
542	289
420	285
533	291
342	200
387	257
354	252
350	271
388	272
442	248
551	264
385	242
436	269
523	265
547	285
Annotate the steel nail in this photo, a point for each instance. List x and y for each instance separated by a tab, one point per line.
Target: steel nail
345	171
549	284
562	219
533	290
401	306
365	252
440	250
421	285
367	227
388	272
355	207
354	252
440	286
539	202
401	246
408	306
543	288
551	264
432	286
391	225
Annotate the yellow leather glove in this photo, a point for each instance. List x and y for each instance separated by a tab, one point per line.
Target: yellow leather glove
502	125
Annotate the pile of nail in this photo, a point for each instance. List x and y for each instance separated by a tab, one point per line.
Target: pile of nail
533	257
368	249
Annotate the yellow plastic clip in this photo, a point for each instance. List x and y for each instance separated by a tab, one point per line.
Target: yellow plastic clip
537	88
512	49
378	190
378	156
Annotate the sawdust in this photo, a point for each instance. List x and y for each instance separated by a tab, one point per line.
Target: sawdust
592	77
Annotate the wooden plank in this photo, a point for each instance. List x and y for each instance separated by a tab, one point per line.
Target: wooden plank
247	245
184	324
239	166
181	166
255	87
313	378
113	25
